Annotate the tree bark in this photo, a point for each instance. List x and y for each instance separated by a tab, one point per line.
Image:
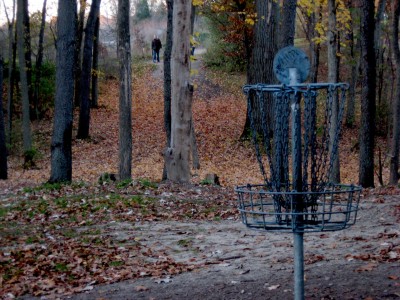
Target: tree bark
260	66
28	55
315	48
78	59
355	66
177	156
12	50
3	147
125	91
288	24
39	60
167	78
61	143
95	67
26	124
193	142
333	76
84	112
382	101
368	105
394	157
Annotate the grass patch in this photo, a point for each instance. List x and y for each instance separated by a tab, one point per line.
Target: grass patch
141	65
70	233
61	202
185	243
147	183
61	267
32	240
116	263
124	183
12	272
3	212
92	232
206	182
44	187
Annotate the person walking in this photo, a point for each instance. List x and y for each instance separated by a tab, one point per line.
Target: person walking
156	46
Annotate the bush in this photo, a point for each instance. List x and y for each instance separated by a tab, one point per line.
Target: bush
47	86
223	55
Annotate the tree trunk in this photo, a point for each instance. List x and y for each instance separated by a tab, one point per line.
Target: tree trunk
12	85
382	101
26	124
193	142
95	71
378	27
39	59
167	79
394	158
260	66
3	147
84	112
333	76
61	143
12	50
28	56
355	66
178	154
125	91
368	106
288	24
315	48
78	59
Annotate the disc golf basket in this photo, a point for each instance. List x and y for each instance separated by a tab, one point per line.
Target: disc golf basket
297	153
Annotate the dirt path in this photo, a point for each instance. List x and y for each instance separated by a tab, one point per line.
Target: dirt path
237	263
243	264
362	262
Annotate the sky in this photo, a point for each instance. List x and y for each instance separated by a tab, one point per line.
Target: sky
36	5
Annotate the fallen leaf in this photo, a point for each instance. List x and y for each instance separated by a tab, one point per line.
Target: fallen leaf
367	268
273	287
163	280
141	288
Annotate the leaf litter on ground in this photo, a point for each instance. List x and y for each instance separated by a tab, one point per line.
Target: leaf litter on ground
59	240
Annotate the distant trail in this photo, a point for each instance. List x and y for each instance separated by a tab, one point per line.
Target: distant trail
195	65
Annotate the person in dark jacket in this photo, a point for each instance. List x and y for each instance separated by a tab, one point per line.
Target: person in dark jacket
156	46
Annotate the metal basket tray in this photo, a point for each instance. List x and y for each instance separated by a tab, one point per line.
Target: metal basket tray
333	208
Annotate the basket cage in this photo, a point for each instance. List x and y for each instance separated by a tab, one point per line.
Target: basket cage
311	203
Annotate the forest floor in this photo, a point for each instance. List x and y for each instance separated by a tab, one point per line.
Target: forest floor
157	240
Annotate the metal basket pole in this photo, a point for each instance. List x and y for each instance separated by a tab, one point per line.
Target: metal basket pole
304	201
298	235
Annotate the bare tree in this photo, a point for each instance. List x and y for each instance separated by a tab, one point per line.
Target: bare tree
288	24
28	51
167	78
354	44
12	49
333	76
368	93
61	143
3	147
84	111
125	91
95	66
394	158
193	142
26	124
39	60
177	156
311	17
78	50
260	66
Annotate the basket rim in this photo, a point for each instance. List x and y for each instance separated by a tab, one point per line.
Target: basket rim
329	189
